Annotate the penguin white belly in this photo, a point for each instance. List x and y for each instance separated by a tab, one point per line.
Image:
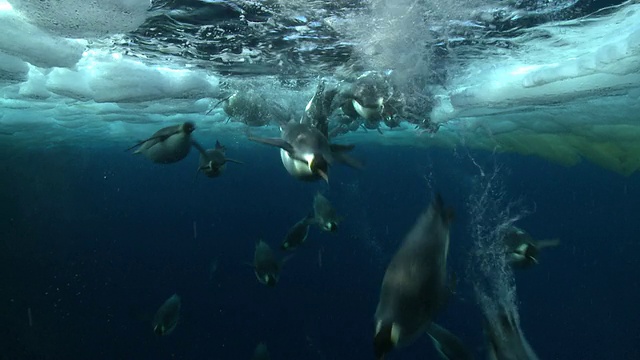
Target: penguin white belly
367	112
173	149
297	168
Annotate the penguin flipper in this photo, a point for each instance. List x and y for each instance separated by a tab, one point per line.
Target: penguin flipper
218	103
277	142
159	136
155	139
348	160
233	161
135	146
199	147
547	243
338	148
449	346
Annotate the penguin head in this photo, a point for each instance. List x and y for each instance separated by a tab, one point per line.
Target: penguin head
211	169
331	226
523	256
188	127
383	341
159	329
318	165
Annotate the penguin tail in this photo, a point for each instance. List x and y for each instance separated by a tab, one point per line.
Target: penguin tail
447	214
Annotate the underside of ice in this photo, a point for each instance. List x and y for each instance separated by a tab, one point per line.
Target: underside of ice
570	95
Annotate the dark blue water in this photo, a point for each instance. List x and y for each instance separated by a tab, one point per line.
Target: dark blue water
94	241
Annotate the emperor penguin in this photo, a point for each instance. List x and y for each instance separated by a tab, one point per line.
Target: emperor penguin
166	318
415	284
367	96
298	233
213	162
506	339
306	152
324	214
521	249
261	352
265	265
167	145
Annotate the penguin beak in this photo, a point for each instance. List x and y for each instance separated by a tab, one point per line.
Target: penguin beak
323	175
312	162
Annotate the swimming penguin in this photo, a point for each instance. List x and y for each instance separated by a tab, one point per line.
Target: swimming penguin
213	161
265	265
318	109
367	96
261	352
324	214
414	286
247	107
297	234
167	316
521	249
306	153
167	145
505	338
449	346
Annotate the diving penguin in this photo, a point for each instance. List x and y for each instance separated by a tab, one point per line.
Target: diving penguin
167	145
521	249
318	109
265	265
167	316
506	340
414	286
324	214
368	96
306	152
213	161
261	352
297	234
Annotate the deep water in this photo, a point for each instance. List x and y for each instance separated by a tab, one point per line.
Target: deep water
94	240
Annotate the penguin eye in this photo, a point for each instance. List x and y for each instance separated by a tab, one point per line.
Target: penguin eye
158	329
189	127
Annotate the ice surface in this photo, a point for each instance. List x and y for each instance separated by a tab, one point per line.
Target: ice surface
12	68
83	18
570	95
29	43
110	78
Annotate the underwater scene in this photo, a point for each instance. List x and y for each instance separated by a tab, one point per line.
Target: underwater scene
350	179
